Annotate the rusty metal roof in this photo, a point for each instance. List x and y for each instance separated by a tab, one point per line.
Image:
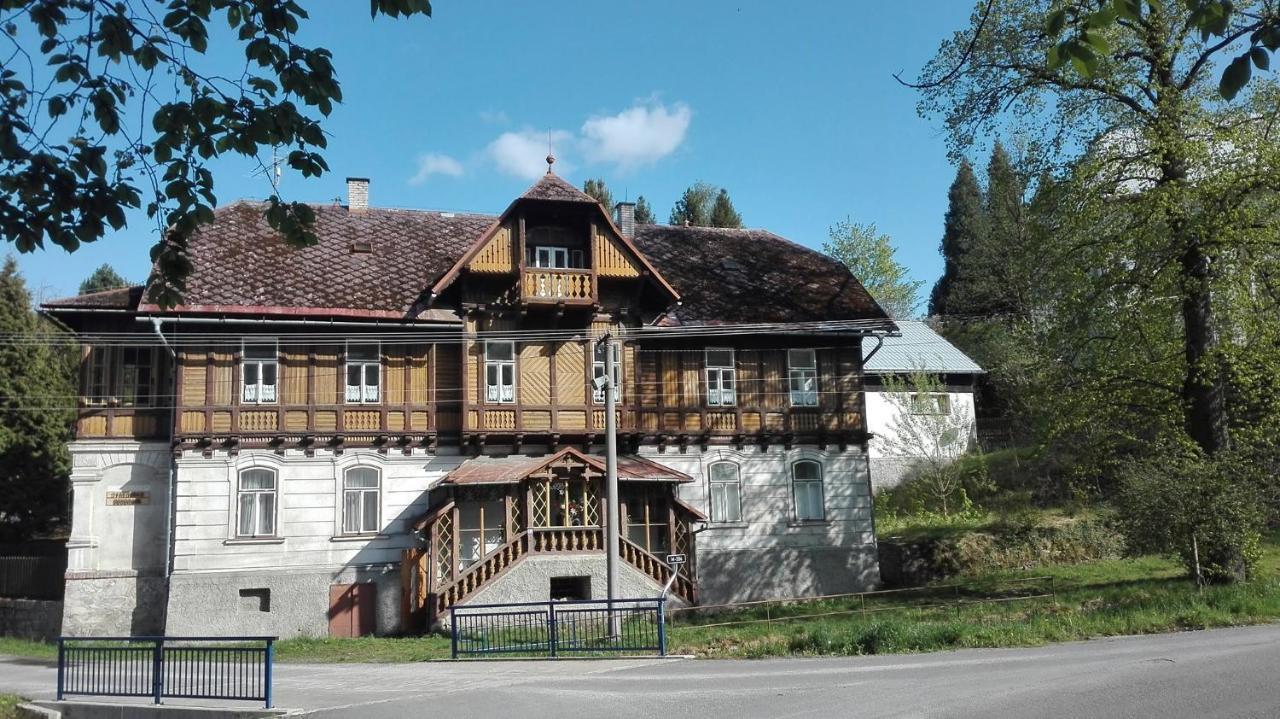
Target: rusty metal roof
514	468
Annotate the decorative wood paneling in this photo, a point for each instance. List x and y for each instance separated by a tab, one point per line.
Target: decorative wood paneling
610	258
361	420
92	427
500	419
572	419
294	376
649	380
535	374
220	422
295	420
498	255
750	389
419	420
329	381
193	368
394	369
223	385
571	378
395	421
191	422
326	420
775	380
691	366
419	375
536	419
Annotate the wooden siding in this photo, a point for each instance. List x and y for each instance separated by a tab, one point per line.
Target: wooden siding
610	257
498	255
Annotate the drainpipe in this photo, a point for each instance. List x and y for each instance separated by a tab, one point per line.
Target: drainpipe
157	326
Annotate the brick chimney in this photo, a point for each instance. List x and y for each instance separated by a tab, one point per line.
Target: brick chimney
625	215
357	194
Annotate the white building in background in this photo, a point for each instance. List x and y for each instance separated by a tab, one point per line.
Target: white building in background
918	348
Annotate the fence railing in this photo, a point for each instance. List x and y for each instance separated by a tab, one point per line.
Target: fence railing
234	668
33	577
554	629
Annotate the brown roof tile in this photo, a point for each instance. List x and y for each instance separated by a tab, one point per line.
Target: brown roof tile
120	298
553	187
513	468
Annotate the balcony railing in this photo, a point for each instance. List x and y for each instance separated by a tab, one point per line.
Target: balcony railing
558	285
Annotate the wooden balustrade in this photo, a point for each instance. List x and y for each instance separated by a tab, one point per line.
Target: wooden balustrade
558	285
655	569
567	539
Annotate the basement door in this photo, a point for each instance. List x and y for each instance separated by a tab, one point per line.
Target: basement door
351	609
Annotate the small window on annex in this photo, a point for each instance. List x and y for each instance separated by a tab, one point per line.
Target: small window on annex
726	492
500	372
361	499
258	372
802	373
806	484
364	370
256	503
934	403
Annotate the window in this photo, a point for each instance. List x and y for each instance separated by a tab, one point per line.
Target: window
360	500
930	403
802	371
135	371
554	258
97	374
806	483
500	372
258	373
479	530
597	369
720	378
726	493
256	503
647	522
363	372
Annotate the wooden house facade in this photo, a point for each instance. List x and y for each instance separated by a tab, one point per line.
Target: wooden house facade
351	437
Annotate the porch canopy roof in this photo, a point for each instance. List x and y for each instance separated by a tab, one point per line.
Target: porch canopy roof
513	469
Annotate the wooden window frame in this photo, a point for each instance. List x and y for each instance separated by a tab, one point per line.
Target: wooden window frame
362	389
257	494
712	483
260	362
597	370
499	364
363	493
822	491
940	404
97	371
798	373
715	378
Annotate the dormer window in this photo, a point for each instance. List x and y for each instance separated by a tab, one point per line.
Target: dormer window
555	258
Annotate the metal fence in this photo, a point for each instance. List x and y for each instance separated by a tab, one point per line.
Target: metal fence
33	577
556	629
235	668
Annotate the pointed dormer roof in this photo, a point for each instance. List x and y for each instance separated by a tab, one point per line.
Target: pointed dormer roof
553	187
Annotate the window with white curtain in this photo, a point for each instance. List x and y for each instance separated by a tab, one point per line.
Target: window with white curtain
802	373
726	492
721	378
364	370
806	485
597	370
256	503
500	372
258	372
361	494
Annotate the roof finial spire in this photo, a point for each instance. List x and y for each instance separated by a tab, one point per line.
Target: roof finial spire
551	157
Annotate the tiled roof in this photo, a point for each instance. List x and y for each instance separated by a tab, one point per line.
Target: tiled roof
919	348
731	276
513	468
553	187
242	265
120	298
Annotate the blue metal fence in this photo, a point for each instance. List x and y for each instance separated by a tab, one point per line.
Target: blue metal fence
235	668
553	629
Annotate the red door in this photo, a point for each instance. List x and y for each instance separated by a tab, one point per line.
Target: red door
351	609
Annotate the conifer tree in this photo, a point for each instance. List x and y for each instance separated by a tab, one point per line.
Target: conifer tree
644	213
103	278
36	415
694	206
597	189
962	226
722	212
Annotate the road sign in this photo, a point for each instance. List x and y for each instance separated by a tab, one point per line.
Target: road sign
675	559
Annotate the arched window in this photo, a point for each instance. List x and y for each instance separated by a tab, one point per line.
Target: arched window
726	492
806	486
361	495
256	503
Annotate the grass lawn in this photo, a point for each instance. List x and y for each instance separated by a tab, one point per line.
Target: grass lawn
9	705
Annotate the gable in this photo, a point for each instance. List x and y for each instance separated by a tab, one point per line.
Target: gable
498	254
611	258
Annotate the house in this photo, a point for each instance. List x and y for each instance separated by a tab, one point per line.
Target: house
893	418
352	437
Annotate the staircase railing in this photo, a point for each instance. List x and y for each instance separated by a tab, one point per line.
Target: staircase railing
481	572
656	569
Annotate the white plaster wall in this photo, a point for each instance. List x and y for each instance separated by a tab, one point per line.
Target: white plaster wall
889	464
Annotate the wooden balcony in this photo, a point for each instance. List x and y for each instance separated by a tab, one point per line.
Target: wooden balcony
558	286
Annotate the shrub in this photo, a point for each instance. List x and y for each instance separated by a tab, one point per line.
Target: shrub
1199	508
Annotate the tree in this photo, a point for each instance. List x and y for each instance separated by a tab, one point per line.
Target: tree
694	206
103	278
107	107
597	189
1166	217
35	415
644	213
961	228
869	255
722	212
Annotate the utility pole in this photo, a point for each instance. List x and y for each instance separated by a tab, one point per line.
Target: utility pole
612	519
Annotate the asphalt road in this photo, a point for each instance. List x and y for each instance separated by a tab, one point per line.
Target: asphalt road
1218	673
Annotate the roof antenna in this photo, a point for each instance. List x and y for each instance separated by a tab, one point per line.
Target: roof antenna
271	171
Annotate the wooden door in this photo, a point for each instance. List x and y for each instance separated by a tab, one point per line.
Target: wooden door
351	609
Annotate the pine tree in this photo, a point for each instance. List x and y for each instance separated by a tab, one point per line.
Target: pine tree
35	415
995	278
644	213
103	278
694	206
869	255
962	226
597	189
722	212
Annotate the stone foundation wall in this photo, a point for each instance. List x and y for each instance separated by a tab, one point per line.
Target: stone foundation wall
113	604
39	620
727	576
530	580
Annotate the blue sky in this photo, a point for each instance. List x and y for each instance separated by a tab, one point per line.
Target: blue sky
789	106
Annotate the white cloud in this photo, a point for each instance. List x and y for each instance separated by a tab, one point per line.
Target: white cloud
494	117
637	136
434	163
523	154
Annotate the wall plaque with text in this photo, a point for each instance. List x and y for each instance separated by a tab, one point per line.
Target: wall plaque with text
127	499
